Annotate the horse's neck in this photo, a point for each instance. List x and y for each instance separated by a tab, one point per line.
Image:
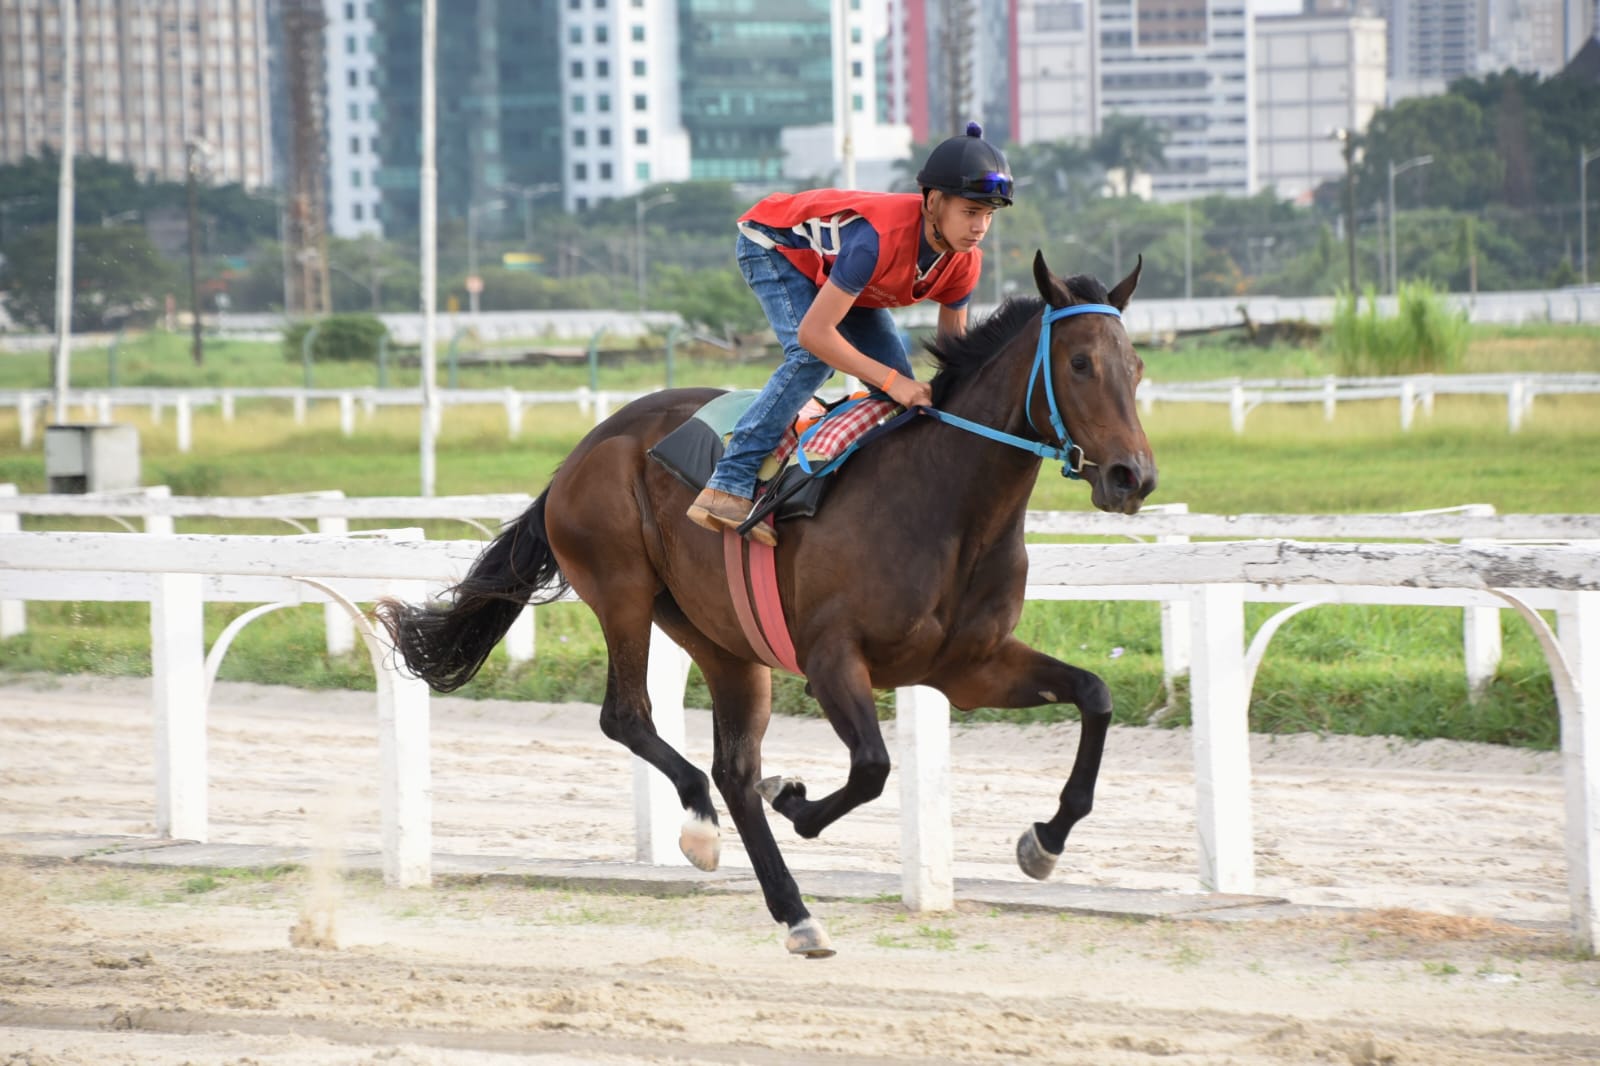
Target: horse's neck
989	482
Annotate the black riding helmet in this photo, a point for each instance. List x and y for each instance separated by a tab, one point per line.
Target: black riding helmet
969	166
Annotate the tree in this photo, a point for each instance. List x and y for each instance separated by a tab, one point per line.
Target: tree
715	300
1130	143
117	277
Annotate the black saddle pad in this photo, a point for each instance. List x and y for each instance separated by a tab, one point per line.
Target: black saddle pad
690	453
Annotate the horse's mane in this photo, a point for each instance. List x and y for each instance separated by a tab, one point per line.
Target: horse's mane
959	358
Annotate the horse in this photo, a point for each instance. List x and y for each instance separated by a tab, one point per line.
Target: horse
912	573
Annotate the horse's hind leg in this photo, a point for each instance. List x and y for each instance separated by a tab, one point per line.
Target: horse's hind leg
741	701
1018	676
625	718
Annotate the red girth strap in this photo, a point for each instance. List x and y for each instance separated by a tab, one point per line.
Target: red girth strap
775	647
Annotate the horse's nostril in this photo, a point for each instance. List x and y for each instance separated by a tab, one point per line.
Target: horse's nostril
1122	477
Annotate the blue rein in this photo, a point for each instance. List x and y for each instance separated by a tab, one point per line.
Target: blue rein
1070	454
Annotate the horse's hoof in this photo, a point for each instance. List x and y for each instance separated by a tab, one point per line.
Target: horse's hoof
808	938
701	843
770	788
1035	861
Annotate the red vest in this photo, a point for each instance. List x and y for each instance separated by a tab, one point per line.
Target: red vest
898	219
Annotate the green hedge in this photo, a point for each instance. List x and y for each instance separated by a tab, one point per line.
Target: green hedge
340	338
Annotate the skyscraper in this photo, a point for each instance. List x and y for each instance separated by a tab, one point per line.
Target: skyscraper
499	102
153	77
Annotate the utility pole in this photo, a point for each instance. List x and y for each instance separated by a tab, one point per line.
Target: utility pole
64	208
1347	142
195	149
1585	157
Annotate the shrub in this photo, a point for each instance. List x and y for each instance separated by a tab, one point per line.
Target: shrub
1424	336
342	338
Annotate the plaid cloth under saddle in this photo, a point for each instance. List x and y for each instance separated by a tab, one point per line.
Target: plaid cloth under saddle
837	432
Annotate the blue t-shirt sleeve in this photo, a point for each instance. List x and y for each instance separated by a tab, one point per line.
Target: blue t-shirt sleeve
857	258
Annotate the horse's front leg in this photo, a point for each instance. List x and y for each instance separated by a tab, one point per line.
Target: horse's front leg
1018	676
841	684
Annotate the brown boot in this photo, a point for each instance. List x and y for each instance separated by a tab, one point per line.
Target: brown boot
716	510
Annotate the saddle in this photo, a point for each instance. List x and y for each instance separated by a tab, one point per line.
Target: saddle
792	481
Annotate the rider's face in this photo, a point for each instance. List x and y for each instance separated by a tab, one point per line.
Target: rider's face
962	222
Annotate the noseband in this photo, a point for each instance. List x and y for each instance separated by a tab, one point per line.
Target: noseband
1066	450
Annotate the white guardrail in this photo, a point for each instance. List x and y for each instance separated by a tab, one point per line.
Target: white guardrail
1208	582
1411	393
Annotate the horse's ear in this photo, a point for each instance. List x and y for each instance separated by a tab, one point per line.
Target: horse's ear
1120	295
1050	287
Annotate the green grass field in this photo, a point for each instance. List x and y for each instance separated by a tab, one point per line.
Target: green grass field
1337	669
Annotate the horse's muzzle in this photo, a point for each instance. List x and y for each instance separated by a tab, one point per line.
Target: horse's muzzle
1122	487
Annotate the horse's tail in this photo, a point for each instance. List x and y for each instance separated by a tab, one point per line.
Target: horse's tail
446	644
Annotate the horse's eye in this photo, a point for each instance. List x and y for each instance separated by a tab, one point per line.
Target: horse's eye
1080	363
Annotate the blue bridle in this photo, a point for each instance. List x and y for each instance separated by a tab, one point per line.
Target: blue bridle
1070	454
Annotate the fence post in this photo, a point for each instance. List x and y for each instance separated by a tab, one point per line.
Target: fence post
1516	403
1330	397
1482	642
339	631
227	406
1408	403
520	638
178	683
13	613
405	774
1220	707
185	425
927	849
513	404
1175	624
657	813
25	419
1236	408
1578	629
163	524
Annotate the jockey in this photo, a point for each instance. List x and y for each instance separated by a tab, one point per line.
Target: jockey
826	265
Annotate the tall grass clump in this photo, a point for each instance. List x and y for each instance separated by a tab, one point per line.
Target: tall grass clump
1425	335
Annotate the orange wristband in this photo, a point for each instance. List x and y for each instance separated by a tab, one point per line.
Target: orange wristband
884	388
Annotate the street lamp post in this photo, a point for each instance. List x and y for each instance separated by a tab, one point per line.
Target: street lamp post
1347	144
640	206
197	150
1584	159
474	282
1394	263
527	193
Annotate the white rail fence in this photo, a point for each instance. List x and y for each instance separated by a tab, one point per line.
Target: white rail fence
1411	394
177	573
331	511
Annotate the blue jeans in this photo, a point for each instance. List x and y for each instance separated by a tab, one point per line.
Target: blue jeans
785	295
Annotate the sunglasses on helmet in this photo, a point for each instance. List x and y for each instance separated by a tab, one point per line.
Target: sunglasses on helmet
993	183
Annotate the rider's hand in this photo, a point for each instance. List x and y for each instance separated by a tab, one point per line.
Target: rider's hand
909	393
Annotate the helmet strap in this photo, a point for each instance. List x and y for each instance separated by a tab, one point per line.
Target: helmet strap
940	244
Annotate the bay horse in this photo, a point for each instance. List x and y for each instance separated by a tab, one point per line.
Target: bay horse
913	573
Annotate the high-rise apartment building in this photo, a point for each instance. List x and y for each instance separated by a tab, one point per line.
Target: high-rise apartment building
1434	42
749	69
1314	74
1057	89
619	113
1187	67
354	198
954	61
153	76
499	104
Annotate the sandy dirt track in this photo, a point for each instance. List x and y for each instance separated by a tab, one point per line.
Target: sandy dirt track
1448	845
